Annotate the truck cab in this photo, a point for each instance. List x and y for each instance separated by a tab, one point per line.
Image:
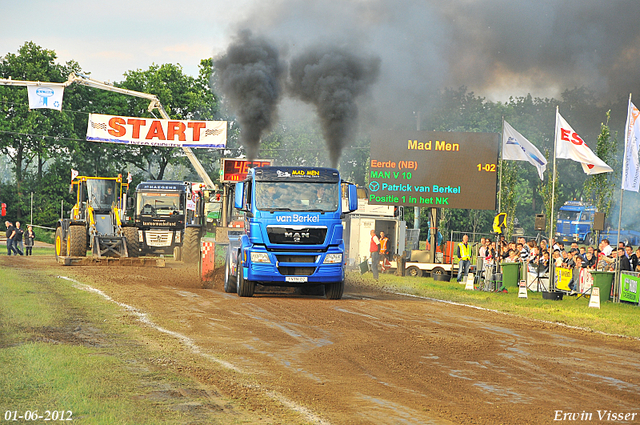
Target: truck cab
575	222
169	216
293	231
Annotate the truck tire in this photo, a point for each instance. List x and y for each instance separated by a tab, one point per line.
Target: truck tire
245	288
230	281
133	243
334	291
77	241
60	243
191	245
414	271
177	253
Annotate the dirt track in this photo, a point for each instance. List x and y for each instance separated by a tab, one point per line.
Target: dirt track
373	357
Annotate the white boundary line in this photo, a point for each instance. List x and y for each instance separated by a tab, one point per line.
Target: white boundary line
564	325
144	319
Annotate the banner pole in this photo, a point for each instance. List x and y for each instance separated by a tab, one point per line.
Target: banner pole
501	163
553	181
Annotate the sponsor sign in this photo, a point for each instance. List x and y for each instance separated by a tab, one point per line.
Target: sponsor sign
155	132
629	288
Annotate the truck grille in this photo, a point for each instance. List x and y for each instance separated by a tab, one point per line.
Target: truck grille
296	271
297	258
297	235
159	237
566	229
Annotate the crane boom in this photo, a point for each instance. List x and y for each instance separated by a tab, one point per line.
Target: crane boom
154	104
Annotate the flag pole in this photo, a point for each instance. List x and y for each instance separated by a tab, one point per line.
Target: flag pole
553	181
501	163
616	294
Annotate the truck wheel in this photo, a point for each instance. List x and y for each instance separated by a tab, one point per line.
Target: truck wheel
77	241
588	239
177	253
61	244
133	243
414	271
191	245
230	281
334	291
245	288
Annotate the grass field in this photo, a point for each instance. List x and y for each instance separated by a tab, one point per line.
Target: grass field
69	354
612	318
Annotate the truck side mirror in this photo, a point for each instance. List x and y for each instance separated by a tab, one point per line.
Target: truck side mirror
353	198
238	195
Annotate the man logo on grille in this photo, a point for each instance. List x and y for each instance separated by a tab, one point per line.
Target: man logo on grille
296	236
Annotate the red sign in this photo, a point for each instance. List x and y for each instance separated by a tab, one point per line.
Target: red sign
235	170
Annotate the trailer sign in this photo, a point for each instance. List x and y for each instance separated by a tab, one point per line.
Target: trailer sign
434	169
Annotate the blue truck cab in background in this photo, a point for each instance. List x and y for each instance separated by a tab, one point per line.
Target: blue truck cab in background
575	223
293	233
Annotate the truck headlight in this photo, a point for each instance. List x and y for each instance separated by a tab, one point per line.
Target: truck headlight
333	259
260	257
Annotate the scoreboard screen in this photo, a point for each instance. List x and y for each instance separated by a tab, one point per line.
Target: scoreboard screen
434	169
236	169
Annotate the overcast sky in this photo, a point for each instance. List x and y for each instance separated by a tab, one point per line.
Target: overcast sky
496	48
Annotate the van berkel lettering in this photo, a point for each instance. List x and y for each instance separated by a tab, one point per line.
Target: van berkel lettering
298	218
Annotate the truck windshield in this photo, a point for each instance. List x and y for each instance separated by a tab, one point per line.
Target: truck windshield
296	196
101	193
154	203
568	215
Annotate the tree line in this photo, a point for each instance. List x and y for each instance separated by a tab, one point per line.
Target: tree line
44	145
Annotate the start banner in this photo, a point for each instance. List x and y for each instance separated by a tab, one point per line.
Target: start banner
156	132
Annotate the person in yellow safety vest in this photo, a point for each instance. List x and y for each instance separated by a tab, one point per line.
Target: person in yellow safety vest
463	252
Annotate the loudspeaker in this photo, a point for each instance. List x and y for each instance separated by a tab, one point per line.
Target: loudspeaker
598	221
541	222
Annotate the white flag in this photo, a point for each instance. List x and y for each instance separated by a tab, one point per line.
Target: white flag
570	145
46	95
74	174
515	147
631	163
129	178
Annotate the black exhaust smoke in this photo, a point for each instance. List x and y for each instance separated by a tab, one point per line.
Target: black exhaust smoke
331	79
249	76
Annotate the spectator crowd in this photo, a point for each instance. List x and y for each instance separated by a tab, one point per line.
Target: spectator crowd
538	257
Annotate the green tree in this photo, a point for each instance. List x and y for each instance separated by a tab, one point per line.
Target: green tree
600	187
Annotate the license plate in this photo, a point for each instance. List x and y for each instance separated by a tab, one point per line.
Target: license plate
295	278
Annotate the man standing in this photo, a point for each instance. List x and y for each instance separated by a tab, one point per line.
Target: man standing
17	239
384	250
9	233
374	247
463	252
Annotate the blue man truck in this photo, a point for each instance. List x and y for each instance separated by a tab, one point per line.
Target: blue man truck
293	232
575	223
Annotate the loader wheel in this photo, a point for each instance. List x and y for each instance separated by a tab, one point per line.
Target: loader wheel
61	244
334	291
133	243
245	288
191	245
77	241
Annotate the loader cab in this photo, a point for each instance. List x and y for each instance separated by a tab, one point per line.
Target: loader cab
101	195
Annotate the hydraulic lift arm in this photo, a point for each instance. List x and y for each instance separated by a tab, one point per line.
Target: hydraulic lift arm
154	104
